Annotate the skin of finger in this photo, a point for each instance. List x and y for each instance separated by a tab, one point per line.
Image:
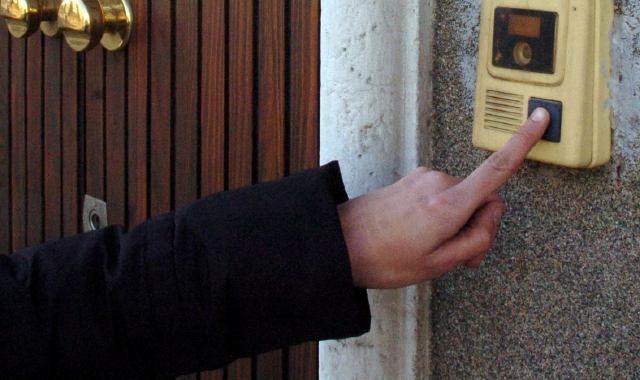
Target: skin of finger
432	185
472	242
378	238
477	260
459	219
389	231
500	166
428	181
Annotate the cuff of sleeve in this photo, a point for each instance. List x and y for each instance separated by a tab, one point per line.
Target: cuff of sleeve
267	266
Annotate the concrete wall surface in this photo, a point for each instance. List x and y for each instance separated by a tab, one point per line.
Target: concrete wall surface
375	102
559	294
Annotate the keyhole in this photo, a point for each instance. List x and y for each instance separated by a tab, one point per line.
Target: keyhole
95	221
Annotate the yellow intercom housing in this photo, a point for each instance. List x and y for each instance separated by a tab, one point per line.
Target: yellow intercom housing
551	54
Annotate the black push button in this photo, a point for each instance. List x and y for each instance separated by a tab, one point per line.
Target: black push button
555	110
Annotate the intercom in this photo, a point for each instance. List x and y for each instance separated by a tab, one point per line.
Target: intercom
551	54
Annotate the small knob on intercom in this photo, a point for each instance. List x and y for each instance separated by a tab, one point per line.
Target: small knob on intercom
522	54
85	23
23	17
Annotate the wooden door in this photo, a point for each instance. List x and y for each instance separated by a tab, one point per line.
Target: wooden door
208	96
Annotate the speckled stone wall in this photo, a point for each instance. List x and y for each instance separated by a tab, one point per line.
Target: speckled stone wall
559	294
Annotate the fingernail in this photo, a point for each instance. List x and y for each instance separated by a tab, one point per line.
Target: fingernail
539	114
497	214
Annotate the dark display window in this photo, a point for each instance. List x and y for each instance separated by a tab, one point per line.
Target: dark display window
525	39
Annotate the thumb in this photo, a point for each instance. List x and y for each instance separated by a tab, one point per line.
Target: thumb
471	244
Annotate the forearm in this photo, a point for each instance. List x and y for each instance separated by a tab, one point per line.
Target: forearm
230	275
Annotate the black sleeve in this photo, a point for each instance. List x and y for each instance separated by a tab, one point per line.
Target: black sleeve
231	275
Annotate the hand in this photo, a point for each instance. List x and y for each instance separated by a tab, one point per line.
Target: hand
429	222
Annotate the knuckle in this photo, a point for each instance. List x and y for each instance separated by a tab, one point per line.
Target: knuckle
441	180
500	161
438	176
420	171
429	179
442	205
485	240
416	175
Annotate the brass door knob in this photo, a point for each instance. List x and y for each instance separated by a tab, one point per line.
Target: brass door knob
23	17
85	23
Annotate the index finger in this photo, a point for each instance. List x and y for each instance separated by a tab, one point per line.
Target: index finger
501	165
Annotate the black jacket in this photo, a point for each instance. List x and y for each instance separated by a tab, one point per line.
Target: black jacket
231	275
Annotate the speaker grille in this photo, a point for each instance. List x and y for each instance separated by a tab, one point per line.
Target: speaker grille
503	111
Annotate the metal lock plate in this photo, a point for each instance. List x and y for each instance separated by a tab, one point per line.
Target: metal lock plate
94	214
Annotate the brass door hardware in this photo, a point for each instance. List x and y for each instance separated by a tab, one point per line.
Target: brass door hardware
23	17
85	23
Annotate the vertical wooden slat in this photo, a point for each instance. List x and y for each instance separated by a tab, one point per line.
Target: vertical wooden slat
271	124
304	84
241	117
186	97
241	104
303	361
239	370
137	120
186	128
34	141
304	128
213	96
52	140
18	144
161	107
115	111
71	179
213	103
213	375
253	103
271	72
94	121
5	145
